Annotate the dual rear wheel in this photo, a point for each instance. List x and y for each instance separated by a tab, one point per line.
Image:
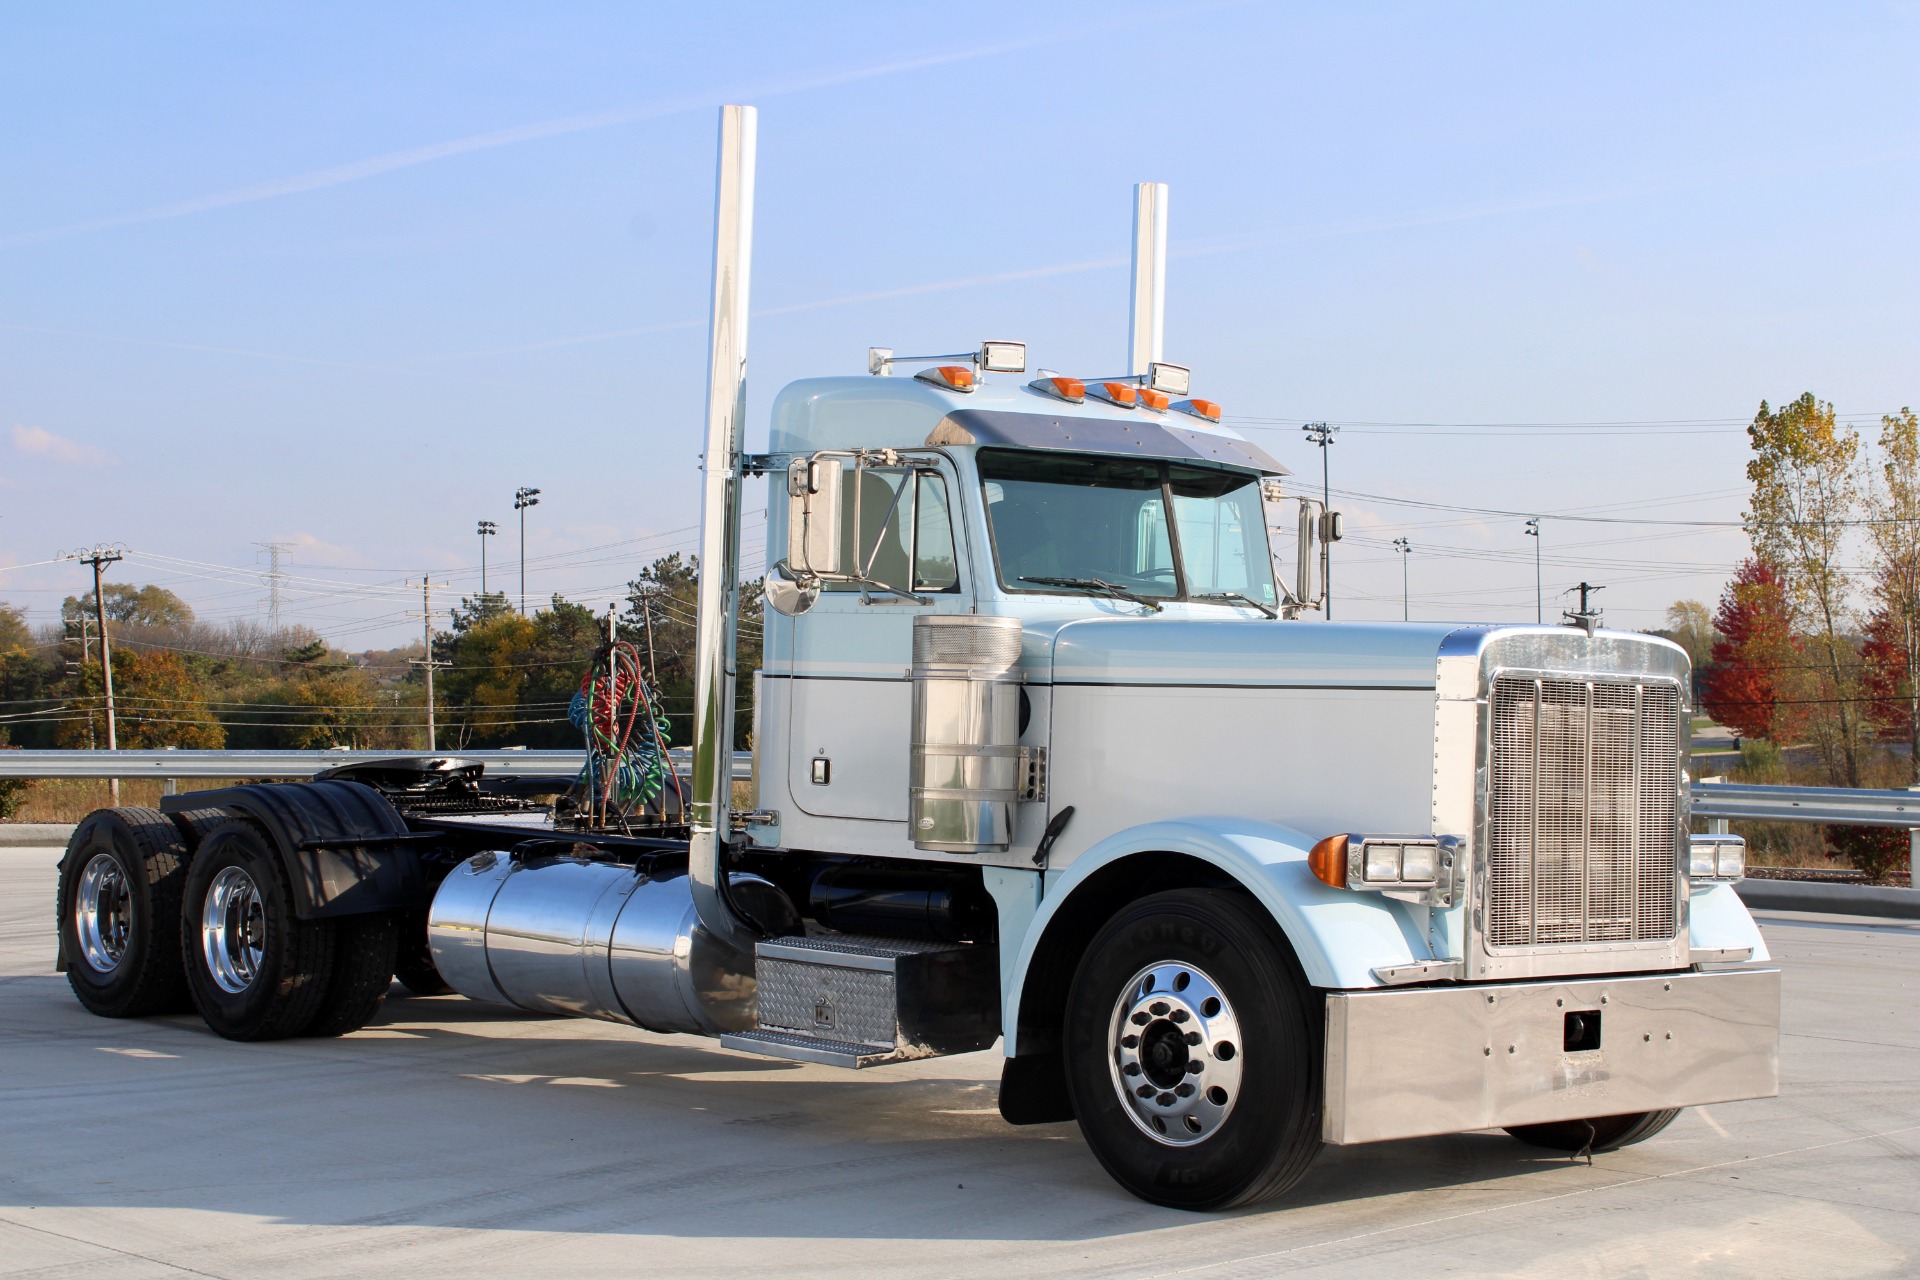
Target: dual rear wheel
148	929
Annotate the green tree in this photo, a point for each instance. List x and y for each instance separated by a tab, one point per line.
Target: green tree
1806	493
131	606
1690	625
1892	649
158	702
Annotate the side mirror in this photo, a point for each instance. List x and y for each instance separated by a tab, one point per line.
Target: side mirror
813	516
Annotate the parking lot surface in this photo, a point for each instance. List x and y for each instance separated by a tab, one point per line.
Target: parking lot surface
453	1138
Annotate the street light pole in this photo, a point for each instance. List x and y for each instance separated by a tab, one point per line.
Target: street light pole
1322	434
487	530
1539	608
522	499
1405	548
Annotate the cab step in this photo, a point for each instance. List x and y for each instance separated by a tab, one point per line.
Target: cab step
850	1001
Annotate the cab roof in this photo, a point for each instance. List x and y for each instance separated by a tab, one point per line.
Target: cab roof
905	413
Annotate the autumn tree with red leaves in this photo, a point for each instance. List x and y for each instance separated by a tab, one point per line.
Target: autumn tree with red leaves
1753	656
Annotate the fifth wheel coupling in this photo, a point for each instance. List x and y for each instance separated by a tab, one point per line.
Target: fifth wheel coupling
966	732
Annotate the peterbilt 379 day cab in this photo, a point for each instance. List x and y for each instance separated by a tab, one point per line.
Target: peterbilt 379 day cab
1040	757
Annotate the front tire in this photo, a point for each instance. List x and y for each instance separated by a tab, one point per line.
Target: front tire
119	913
257	972
1602	1133
1193	1052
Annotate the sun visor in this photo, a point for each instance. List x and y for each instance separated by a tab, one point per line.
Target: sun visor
1137	439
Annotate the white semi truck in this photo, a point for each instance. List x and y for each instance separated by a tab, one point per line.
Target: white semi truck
1042	756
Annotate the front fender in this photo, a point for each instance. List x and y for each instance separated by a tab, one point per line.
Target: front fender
1339	936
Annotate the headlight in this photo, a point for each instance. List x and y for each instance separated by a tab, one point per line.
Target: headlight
1716	857
1415	868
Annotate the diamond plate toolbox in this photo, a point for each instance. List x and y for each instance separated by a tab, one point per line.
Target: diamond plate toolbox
916	998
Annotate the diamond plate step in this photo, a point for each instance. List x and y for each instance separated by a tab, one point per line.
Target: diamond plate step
797	1047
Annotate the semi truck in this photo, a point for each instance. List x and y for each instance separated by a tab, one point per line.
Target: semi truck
1045	755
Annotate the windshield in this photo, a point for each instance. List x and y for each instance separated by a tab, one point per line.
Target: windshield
1106	520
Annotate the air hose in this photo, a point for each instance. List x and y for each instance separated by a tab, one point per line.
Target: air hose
627	763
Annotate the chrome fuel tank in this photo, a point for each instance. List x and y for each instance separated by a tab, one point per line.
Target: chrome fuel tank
589	939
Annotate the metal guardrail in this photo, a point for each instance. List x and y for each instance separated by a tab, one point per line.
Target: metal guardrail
1860	808
294	764
1866	808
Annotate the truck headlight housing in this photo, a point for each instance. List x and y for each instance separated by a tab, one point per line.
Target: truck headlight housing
1716	858
1412	868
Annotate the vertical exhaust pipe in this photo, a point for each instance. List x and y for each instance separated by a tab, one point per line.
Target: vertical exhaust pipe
1147	329
717	615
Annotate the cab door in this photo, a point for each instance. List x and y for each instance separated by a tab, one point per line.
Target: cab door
851	698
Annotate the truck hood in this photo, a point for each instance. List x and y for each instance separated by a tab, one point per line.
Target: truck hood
1230	652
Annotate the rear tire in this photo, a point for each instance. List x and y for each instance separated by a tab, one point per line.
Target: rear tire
415	967
1602	1133
1193	1052
257	972
363	951
119	913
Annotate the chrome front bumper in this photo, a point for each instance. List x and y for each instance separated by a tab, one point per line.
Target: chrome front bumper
1412	1062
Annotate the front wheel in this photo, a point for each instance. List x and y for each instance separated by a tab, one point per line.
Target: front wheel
1193	1052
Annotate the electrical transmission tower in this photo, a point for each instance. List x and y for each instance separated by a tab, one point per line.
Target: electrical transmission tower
275	578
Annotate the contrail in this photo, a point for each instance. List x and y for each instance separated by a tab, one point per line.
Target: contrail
374	166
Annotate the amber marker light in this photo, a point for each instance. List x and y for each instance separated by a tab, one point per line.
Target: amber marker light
1120	393
1328	859
1154	399
1200	409
954	377
1072	390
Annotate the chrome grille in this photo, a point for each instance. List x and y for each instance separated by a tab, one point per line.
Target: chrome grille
1583	841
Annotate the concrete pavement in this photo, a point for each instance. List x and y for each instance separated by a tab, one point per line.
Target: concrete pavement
459	1139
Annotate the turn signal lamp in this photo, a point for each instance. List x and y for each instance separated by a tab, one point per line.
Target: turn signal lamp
1716	857
953	377
1328	861
1072	390
1120	393
1154	399
1200	409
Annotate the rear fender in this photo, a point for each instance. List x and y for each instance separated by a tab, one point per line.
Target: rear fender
1339	936
346	850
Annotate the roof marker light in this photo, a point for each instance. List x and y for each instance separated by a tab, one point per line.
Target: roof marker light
1120	393
948	377
1152	399
1072	390
1199	408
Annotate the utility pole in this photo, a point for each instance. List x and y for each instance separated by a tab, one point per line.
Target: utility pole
1405	548
1322	434
274	551
98	559
426	625
1539	603
1587	617
487	530
522	499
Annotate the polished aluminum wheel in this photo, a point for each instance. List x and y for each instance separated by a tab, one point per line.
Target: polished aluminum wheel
1176	1053
103	913
233	930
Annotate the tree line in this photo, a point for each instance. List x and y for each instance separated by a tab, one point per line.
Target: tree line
507	678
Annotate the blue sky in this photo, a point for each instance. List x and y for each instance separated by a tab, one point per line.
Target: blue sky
344	277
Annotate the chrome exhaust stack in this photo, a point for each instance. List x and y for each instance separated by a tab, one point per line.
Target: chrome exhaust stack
1147	327
717	610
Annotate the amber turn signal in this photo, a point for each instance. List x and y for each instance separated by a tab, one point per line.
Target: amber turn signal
1328	859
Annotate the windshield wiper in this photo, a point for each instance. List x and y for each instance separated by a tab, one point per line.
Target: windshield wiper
1100	585
1234	597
